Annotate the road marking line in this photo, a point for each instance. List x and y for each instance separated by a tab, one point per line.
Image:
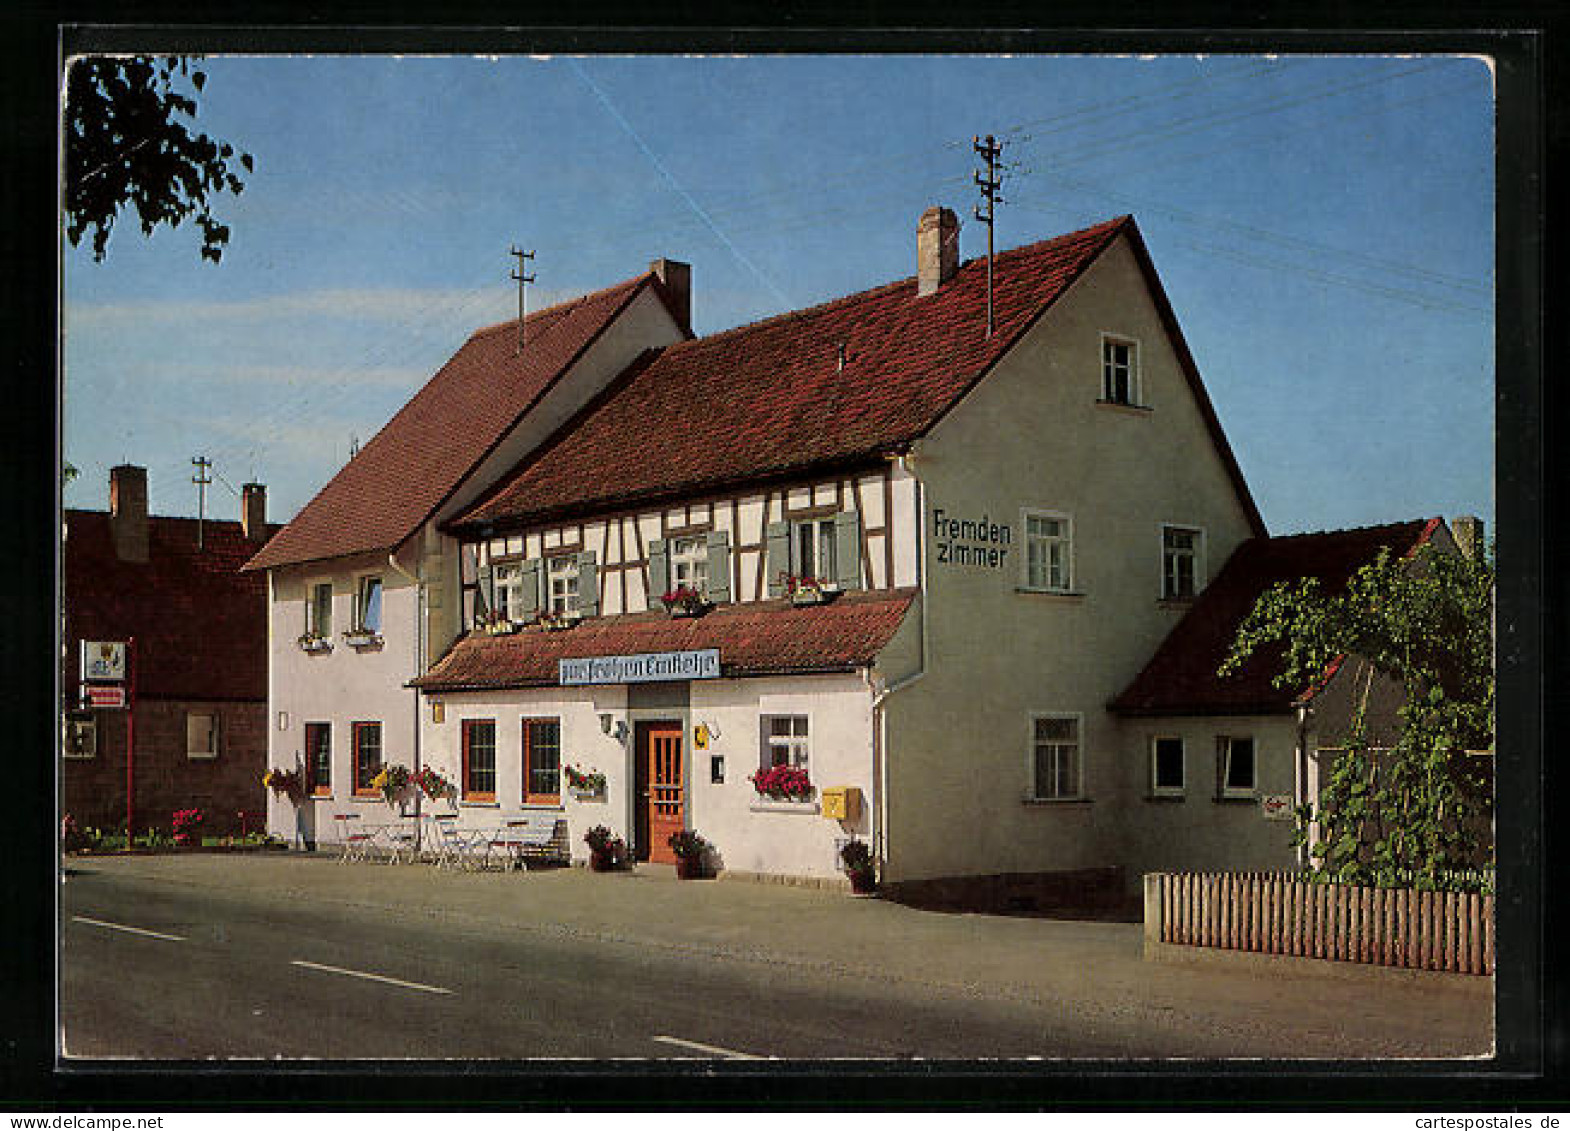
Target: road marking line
370	977
123	927
728	1054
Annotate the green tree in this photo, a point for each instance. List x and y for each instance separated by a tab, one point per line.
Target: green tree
1417	812
125	145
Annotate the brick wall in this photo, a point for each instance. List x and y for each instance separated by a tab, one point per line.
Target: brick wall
93	790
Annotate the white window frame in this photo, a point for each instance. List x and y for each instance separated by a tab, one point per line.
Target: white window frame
214	736
1156	788
1135	377
562	569
1198	559
797	747
361	590
313	620
689	562
506	586
1067	540
822	543
1078	720
1224	767
89	726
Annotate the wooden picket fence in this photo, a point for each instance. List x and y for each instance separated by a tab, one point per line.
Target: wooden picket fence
1281	913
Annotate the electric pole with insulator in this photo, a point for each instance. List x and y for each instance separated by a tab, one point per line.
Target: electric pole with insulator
201	463
522	280
989	150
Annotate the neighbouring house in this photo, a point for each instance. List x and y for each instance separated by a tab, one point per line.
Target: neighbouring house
197	669
859	570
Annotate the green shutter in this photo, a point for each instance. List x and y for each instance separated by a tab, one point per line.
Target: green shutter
588	584
778	564
659	570
847	550
719	566
529	581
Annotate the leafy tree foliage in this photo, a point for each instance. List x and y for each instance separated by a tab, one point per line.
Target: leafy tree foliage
124	145
1418	812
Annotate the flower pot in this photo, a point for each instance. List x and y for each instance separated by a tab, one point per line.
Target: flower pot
602	862
863	881
807	597
688	868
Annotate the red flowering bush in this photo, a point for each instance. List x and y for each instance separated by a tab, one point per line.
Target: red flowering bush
789	782
187	825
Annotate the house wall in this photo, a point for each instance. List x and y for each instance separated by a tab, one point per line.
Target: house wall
165	778
749	834
1032	434
1199	830
340	687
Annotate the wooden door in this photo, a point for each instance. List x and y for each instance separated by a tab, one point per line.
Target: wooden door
660	803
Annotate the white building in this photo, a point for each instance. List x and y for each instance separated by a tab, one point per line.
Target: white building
1005	528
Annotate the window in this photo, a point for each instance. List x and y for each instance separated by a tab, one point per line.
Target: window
367	757
1054	757
81	735
368	605
1181	564
542	761
563	574
201	736
319	759
479	760
690	563
1166	767
784	741
319	610
1119	371
508	582
812	549
1049	546
1235	767
717	769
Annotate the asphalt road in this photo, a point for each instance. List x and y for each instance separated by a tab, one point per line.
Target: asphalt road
160	969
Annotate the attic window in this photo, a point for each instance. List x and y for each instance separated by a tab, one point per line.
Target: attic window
1119	370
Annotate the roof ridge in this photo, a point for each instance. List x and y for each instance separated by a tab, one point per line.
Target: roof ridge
558	309
1420	521
906	280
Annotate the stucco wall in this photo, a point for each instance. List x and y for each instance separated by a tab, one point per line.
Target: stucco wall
1032	434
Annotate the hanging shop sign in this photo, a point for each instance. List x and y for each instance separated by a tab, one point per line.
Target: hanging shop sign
106	697
103	659
1276	806
647	667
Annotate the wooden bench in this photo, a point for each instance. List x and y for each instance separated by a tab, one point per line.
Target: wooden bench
533	836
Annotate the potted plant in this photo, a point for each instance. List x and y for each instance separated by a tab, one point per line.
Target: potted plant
857	858
312	641
434	786
361	637
556	622
495	624
807	590
606	850
584	783
392	782
691	850
783	783
187	826
285	783
685	601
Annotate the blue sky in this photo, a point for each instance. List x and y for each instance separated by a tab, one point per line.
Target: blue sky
1323	225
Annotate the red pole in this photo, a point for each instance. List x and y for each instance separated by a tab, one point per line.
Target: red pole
130	733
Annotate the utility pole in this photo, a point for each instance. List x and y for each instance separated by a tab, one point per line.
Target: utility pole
201	463
522	280
988	150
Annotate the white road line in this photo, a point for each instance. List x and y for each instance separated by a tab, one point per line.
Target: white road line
370	977
714	1050
130	930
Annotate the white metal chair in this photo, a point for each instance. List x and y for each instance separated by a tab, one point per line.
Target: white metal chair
354	839
403	842
451	847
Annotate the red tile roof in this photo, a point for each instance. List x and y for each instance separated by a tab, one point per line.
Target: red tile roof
200	623
436	440
769	399
754	638
1181	678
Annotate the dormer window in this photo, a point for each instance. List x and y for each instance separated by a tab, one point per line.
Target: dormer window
1119	370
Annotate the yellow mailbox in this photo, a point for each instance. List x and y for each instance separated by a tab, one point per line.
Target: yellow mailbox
841	802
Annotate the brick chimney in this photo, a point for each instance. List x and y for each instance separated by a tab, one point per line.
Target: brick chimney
128	512
1468	531
937	249
253	512
676	280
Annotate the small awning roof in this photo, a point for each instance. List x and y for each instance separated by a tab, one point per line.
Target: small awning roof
754	638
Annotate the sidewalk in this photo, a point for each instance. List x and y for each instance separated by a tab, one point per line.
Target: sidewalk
1097	967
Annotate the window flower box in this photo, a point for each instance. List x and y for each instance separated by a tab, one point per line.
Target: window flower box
362	638
784	783
806	590
311	642
584	785
494	624
557	622
685	601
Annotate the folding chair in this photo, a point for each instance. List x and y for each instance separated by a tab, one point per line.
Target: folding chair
402	842
354	840
450	845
